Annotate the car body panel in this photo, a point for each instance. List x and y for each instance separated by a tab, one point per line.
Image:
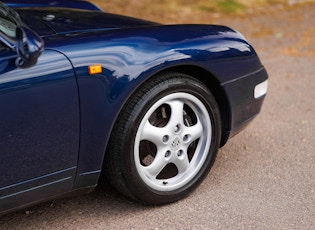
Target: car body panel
76	4
66	138
39	123
65	21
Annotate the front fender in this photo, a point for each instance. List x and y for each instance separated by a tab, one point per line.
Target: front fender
128	58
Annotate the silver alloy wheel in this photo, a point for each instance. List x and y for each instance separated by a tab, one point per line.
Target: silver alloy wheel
172	142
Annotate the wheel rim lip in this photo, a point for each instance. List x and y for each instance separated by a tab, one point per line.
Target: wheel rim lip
200	154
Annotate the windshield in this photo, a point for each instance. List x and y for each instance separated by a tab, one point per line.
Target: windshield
9	21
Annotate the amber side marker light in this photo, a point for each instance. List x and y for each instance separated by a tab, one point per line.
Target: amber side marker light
95	69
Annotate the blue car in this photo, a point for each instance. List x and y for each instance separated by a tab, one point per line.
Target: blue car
85	93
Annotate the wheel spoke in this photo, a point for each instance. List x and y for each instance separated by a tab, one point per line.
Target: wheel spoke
156	166
182	163
152	133
177	108
194	132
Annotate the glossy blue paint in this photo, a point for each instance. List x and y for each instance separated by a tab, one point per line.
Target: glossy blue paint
65	21
76	4
39	123
56	118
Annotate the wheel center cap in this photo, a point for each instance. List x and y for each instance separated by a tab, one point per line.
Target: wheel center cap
175	143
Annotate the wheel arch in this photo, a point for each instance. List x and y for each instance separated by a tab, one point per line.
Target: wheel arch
214	86
204	76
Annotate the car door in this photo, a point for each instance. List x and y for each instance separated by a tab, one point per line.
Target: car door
39	128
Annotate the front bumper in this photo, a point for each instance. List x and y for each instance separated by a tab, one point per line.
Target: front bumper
245	95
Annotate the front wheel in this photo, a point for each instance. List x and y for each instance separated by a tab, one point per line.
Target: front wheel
165	140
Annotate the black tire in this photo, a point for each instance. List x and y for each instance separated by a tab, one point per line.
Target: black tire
165	140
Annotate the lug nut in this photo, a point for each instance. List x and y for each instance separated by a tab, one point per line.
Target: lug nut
177	128
165	139
180	153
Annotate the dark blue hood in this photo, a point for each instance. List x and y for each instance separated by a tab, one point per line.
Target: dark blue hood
77	4
49	21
